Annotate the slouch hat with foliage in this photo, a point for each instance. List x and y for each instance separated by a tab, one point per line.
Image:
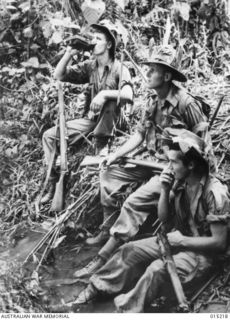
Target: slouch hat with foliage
167	56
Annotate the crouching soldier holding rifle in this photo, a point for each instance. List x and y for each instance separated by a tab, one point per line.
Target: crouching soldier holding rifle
195	206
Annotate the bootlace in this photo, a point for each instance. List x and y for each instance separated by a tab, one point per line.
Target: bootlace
92	263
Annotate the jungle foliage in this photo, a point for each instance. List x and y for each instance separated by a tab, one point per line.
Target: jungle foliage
32	40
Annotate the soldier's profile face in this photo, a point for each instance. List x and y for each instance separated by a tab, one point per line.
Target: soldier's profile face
155	76
176	164
101	43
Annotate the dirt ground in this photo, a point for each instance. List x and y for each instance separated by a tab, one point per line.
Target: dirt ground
58	286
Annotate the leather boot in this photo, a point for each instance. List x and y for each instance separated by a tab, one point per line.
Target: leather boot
90	268
88	294
101	238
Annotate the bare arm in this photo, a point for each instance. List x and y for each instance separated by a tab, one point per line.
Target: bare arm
129	146
163	205
166	179
60	69
126	94
216	242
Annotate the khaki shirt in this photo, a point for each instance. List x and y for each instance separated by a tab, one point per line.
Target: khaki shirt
210	204
87	72
169	114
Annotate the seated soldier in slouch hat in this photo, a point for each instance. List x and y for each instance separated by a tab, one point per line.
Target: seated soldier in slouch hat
103	73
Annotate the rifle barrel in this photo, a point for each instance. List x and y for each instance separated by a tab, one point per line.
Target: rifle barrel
216	111
62	125
144	163
96	160
58	199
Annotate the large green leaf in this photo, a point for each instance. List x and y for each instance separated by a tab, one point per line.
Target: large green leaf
56	37
92	10
183	9
32	62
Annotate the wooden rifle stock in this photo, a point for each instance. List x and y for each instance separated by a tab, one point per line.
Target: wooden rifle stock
96	160
171	267
58	199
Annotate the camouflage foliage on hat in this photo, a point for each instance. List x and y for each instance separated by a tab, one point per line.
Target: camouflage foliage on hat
169	57
187	141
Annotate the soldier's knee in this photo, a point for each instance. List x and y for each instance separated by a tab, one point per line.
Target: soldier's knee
131	255
103	175
48	135
127	251
105	181
127	247
129	202
155	266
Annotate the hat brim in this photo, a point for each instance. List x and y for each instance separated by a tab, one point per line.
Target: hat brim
109	34
177	75
186	140
106	31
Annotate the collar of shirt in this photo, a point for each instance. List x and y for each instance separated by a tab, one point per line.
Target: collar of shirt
107	67
180	186
172	98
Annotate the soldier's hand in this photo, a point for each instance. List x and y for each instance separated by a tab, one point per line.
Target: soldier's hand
98	102
71	51
109	160
175	238
167	178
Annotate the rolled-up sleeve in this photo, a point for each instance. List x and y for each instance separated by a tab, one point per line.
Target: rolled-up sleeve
141	125
146	120
193	114
126	77
218	204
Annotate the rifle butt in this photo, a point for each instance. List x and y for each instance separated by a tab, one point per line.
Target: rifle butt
177	286
58	199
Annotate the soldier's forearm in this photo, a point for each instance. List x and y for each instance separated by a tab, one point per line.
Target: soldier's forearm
130	145
163	205
202	244
216	242
126	94
60	70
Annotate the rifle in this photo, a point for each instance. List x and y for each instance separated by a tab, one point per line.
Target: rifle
171	267
58	199
216	111
48	173
97	160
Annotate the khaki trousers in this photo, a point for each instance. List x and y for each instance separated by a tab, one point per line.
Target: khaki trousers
140	262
